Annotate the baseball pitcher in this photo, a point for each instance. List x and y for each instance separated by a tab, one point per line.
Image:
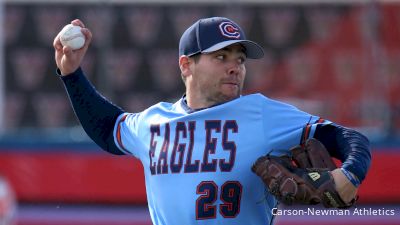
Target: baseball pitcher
216	156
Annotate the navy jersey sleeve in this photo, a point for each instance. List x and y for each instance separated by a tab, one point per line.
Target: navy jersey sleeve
96	114
348	145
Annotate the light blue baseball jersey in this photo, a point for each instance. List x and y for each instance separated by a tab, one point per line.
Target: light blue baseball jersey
198	165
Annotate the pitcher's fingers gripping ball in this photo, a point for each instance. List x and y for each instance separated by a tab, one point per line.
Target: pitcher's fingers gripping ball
72	37
303	179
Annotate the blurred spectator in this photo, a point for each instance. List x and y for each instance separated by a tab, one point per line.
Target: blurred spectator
8	203
389	23
89	63
122	69
138	101
302	77
51	110
322	23
143	25
29	65
279	26
349	24
50	19
15	17
14	110
389	74
101	21
262	77
374	113
182	17
369	21
240	14
347	71
347	86
164	70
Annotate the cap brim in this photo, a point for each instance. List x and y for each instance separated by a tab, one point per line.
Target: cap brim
253	50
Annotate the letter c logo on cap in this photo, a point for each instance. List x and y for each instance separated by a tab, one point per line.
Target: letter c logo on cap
229	30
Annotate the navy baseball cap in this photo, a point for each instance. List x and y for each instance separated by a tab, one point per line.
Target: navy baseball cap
215	33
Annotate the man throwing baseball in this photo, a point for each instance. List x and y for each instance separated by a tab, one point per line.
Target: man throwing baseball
216	156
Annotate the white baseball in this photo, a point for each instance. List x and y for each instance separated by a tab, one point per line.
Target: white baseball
72	36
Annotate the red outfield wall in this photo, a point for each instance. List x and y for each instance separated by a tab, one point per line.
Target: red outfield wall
65	176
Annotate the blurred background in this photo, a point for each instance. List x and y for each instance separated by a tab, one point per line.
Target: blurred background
335	58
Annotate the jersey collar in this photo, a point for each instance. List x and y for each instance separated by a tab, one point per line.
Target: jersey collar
189	110
186	107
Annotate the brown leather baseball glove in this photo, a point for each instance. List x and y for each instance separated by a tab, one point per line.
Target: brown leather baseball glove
303	178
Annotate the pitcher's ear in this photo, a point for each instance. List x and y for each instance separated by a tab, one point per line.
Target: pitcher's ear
184	65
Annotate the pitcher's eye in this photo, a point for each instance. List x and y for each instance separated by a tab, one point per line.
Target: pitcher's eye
242	59
220	57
